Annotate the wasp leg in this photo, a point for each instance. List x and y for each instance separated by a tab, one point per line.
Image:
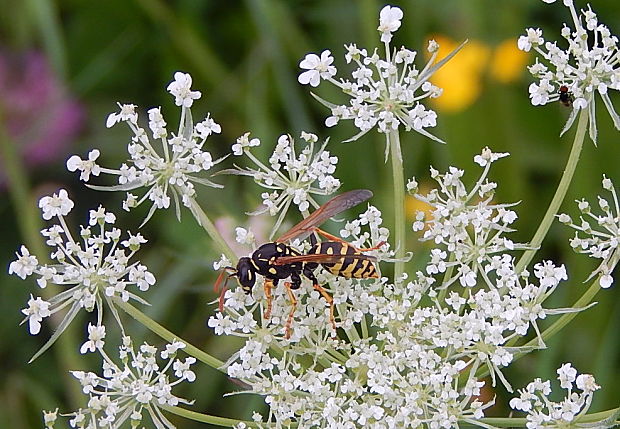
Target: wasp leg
331	237
315	284
289	320
269	285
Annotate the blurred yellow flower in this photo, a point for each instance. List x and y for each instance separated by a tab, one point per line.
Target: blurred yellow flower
508	62
460	77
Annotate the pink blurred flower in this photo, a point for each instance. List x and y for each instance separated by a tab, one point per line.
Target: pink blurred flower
39	114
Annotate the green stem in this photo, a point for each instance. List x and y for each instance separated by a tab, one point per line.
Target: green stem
170	336
214	420
204	221
560	193
520	422
29	223
398	182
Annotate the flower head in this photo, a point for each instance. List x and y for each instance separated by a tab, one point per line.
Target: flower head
170	173
137	385
598	234
590	64
466	222
94	270
542	412
290	178
385	93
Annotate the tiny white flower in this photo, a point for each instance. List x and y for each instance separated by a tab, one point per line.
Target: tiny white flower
389	22
96	334
244	142
180	88
567	375
37	310
25	264
86	167
57	205
49	418
317	68
127	114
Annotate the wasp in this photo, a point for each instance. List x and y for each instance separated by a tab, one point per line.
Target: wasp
566	97
276	260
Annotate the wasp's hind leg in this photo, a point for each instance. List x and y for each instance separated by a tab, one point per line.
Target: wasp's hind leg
315	284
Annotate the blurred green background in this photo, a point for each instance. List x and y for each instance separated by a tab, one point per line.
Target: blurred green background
65	64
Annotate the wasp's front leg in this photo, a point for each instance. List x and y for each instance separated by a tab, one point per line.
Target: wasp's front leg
268	285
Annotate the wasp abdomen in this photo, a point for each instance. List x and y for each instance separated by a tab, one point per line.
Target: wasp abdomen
348	266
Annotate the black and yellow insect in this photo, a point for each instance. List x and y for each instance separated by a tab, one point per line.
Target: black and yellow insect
277	261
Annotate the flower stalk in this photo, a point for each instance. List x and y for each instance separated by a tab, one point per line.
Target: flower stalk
560	193
167	335
206	223
398	183
213	420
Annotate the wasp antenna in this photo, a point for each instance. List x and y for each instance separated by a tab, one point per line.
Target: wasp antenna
221	300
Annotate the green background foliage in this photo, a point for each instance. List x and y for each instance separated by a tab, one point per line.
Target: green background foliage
243	56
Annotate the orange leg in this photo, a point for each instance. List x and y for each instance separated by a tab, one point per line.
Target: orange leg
330	301
331	237
289	321
268	285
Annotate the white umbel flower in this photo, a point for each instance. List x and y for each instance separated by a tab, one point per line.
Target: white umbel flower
598	234
386	93
590	64
169	174
542	412
289	177
93	271
133	388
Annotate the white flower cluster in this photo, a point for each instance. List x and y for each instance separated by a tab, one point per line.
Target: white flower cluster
602	242
466	224
385	92
292	178
175	170
590	64
544	413
420	366
96	270
137	386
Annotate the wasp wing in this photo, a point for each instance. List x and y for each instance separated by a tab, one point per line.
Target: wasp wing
331	208
321	258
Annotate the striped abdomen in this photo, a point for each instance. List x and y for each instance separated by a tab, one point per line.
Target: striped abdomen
348	266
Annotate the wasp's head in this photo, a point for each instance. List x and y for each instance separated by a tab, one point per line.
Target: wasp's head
246	274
